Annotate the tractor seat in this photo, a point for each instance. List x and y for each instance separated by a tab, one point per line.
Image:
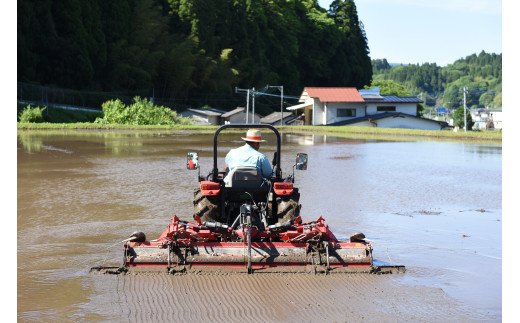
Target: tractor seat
244	177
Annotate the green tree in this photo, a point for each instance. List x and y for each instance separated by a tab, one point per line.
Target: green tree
458	118
354	64
135	57
60	42
380	65
497	101
175	77
486	99
420	110
389	87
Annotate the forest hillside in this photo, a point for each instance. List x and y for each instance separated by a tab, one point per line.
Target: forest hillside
190	52
480	74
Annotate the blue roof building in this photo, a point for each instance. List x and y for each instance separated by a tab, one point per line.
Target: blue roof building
441	110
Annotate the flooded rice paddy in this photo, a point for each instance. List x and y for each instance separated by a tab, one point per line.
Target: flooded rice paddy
434	207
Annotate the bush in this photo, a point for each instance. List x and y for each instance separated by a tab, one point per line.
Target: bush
141	112
30	114
114	111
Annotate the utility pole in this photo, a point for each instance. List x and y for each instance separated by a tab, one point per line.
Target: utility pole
247	107
465	121
281	106
253	95
247	101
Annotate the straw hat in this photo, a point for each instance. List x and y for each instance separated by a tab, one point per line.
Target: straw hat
253	135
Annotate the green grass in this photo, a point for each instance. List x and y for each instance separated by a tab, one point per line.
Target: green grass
89	125
341	131
351	132
61	115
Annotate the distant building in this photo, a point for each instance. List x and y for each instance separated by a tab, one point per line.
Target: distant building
394	120
390	103
275	117
239	115
348	106
441	111
220	117
204	116
486	119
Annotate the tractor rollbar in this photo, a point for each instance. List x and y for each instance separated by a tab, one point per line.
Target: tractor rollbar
277	167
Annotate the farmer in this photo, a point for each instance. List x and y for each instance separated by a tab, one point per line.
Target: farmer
248	155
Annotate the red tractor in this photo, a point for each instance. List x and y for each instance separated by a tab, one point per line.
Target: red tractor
243	222
221	196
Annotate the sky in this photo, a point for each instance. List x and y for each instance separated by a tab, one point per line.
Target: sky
429	31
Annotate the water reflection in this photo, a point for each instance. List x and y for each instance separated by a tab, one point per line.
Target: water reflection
483	149
30	142
317	139
300	139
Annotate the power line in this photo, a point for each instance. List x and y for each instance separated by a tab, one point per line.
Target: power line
465	116
278	95
254	93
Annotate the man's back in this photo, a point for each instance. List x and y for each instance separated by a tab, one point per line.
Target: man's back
248	156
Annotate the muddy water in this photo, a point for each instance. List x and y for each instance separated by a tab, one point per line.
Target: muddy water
434	207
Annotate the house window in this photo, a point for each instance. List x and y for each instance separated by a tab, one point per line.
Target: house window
346	113
386	109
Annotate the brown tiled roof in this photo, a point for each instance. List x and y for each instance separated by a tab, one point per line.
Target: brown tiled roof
334	94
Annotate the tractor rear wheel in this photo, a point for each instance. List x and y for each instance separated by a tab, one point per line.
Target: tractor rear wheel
288	207
205	207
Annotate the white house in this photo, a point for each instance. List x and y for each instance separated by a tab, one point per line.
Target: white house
325	105
348	106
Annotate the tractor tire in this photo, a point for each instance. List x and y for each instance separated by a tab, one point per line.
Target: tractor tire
288	207
205	207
